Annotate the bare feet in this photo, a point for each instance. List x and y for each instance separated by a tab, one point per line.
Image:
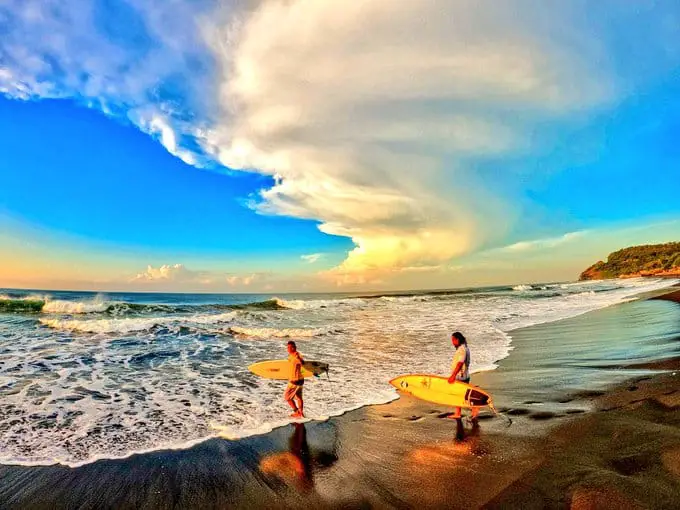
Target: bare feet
454	416
297	414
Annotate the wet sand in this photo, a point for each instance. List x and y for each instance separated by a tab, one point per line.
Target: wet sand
670	296
625	454
570	447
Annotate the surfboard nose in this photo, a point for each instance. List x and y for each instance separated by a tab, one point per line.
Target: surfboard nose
399	382
395	382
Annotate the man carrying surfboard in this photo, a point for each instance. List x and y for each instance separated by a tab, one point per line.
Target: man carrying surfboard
460	368
293	393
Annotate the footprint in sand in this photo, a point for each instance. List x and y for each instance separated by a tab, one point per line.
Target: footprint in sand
482	417
518	412
445	415
633	464
543	415
591	394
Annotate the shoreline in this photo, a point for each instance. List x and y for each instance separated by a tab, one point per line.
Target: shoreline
673	296
362	457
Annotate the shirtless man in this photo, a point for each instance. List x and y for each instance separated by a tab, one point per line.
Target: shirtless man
293	393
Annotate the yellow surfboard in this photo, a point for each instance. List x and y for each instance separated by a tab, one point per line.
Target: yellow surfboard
436	389
279	369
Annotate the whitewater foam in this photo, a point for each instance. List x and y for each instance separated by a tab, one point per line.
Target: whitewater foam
129	325
315	304
75	307
277	333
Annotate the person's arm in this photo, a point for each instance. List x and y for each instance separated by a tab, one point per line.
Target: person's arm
459	360
456	370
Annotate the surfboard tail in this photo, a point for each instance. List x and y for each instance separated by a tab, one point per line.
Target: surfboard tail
477	398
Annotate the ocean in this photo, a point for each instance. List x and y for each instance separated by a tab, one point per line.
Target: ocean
86	376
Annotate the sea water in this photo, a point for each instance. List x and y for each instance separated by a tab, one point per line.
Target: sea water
86	376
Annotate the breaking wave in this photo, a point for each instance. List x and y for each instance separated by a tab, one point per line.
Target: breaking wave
75	307
277	333
130	325
40	304
20	305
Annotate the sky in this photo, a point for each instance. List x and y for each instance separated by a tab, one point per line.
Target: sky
314	145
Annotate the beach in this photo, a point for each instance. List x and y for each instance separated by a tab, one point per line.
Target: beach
599	431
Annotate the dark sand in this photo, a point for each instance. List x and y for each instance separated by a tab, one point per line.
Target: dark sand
625	454
671	296
618	448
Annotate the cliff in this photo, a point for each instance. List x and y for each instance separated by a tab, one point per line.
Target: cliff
645	260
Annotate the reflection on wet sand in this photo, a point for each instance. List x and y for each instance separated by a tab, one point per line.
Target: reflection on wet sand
295	467
449	454
442	469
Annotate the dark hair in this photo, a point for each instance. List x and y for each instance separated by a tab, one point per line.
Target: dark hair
290	342
459	336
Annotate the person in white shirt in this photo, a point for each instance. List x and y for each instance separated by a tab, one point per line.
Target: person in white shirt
460	368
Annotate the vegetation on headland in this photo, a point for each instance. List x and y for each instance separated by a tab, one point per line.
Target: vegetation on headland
645	260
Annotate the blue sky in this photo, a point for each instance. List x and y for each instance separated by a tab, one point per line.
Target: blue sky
107	182
222	148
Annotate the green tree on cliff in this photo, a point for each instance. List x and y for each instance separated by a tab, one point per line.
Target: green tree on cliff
645	259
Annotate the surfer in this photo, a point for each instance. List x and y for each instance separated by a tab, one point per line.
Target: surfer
460	367
293	393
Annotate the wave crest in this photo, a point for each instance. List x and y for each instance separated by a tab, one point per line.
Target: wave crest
130	325
9	305
75	307
292	304
277	333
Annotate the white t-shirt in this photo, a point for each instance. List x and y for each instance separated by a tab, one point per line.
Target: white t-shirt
462	356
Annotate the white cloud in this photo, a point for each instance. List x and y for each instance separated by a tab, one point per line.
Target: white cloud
179	275
166	272
312	257
545	243
374	117
245	281
144	61
371	116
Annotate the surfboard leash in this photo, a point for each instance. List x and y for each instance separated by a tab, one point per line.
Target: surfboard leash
495	411
328	375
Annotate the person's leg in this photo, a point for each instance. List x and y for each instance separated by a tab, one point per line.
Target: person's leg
473	411
291	403
300	406
288	396
456	414
300	403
